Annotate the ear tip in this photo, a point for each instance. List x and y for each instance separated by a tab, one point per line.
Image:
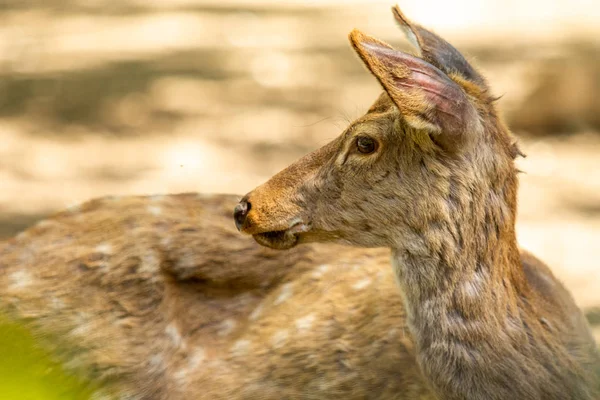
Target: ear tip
358	39
361	40
356	36
400	17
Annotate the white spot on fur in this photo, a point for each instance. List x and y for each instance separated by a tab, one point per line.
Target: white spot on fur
546	323
189	259
286	293
74	208
20	279
198	356
150	262
181	376
104	248
266	283
81	321
194	360
279	338
240	347
74	363
154	210
363	283
175	335
514	325
22	235
471	288
256	313
320	271
227	327
305	323
157	197
81	330
156	362
57	303
45	223
166	242
245	298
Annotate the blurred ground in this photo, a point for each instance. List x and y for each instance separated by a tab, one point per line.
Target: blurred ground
156	96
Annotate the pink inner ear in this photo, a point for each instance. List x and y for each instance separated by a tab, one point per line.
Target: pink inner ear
448	107
448	99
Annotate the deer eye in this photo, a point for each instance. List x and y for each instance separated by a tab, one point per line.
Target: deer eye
366	145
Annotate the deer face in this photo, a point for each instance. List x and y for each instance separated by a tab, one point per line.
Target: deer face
426	146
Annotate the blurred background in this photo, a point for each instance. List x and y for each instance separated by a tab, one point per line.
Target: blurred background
102	97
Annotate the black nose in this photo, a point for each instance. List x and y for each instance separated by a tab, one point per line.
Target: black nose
240	212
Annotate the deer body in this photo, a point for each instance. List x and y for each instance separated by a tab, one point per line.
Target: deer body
429	172
161	298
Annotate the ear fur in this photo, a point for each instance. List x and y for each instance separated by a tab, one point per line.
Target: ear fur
437	51
426	97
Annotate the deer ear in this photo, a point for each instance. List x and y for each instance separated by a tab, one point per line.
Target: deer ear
436	50
426	97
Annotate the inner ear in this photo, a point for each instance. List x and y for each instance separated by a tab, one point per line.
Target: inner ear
425	96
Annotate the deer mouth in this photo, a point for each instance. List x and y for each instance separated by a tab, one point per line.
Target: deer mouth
283	239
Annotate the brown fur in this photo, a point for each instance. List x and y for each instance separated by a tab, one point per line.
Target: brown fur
440	191
160	298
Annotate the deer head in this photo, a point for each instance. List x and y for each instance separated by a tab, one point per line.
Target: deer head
429	144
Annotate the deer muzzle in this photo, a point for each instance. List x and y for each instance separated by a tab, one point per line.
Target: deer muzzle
277	213
270	222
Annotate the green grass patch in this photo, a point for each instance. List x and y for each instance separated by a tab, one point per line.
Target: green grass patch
28	372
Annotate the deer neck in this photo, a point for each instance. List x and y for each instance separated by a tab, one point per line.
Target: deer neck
462	294
458	284
461	280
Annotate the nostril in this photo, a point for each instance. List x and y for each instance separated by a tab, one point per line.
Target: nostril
240	212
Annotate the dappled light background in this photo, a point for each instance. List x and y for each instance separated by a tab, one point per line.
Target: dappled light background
106	97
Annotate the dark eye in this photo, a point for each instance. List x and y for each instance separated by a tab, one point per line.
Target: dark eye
366	145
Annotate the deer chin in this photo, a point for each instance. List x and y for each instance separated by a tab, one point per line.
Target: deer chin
278	240
283	239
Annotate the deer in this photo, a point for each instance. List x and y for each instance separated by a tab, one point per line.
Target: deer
160	297
429	173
